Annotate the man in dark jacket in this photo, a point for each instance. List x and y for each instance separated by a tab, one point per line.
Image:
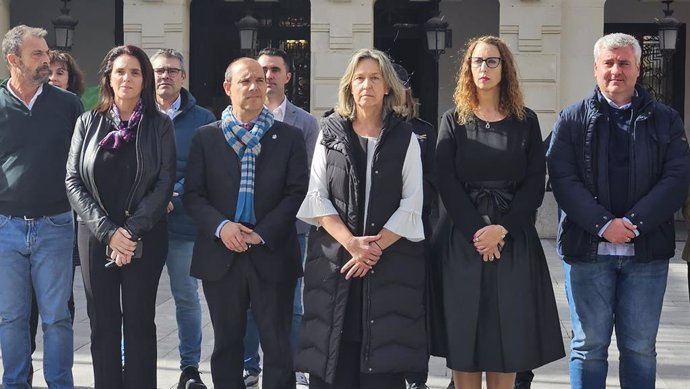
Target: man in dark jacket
246	178
176	102
36	226
620	168
277	66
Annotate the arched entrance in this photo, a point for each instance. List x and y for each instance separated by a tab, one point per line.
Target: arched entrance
214	42
398	31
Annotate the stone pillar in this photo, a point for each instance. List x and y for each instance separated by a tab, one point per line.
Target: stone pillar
4	27
338	29
552	42
156	24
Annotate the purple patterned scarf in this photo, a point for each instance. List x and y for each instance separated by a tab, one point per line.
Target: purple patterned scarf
122	133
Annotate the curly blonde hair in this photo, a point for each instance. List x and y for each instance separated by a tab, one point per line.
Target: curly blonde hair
510	103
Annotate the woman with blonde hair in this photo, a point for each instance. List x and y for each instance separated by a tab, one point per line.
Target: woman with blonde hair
364	323
500	311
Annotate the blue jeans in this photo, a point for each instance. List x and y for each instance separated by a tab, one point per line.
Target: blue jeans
614	292
252	360
36	253
187	307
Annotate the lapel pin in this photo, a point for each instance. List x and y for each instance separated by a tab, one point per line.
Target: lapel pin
274	136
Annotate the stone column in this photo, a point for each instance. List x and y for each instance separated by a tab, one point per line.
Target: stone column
4	27
338	29
156	24
552	42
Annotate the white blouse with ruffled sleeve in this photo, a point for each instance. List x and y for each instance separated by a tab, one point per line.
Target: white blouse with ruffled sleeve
406	221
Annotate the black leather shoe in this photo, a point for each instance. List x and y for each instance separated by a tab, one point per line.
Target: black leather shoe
190	379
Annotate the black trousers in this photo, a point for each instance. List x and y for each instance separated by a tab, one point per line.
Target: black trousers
524	376
135	285
228	300
348	375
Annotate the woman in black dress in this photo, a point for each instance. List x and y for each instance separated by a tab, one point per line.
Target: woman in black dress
500	311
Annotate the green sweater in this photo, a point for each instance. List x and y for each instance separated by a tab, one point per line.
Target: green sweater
33	151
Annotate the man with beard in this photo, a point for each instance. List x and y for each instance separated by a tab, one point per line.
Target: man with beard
176	102
36	226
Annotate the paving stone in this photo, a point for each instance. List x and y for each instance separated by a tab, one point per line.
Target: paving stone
673	345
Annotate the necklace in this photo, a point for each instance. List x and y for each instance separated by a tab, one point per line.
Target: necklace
488	125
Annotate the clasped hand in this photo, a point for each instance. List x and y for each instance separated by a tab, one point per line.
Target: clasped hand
489	240
239	238
122	247
365	254
619	231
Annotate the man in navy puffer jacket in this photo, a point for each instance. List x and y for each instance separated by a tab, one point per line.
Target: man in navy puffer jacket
619	168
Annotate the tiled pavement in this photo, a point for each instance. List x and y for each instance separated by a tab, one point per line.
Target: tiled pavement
673	345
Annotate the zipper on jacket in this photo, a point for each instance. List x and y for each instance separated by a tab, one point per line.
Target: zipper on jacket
137	178
369	321
92	177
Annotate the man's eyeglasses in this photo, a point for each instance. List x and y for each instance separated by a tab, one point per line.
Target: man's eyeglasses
491	62
171	71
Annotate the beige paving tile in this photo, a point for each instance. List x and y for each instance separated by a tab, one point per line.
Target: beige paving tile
673	344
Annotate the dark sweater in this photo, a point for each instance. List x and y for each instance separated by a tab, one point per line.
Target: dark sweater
33	151
619	159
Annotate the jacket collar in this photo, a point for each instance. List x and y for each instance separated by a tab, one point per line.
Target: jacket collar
641	102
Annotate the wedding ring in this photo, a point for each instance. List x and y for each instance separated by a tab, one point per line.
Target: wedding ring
475	240
491	258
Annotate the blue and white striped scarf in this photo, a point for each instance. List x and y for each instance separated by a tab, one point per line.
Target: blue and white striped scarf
247	145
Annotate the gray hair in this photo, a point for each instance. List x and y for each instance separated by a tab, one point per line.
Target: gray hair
393	102
617	41
169	53
12	43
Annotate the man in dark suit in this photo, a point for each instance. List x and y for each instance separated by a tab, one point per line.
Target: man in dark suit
246	178
277	66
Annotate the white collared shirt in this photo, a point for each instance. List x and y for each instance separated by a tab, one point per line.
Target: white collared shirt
174	109
33	99
279	112
616	106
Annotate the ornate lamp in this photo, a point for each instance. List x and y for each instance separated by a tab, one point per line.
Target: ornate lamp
249	28
438	36
668	30
64	28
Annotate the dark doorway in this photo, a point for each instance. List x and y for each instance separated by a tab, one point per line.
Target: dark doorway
398	31
215	42
663	77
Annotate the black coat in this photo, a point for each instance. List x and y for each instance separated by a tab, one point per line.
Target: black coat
393	321
210	197
155	177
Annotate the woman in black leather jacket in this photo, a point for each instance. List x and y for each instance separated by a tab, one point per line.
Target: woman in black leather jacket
120	176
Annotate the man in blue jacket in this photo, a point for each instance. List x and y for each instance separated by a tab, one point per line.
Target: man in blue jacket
180	106
620	168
